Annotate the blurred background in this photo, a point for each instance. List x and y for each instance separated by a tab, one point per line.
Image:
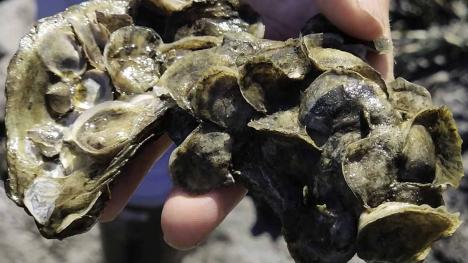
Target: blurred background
431	48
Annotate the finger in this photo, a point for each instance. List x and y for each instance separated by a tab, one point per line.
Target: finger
363	19
187	220
384	63
132	175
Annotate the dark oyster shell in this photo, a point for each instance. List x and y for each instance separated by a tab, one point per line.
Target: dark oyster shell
320	24
348	163
201	163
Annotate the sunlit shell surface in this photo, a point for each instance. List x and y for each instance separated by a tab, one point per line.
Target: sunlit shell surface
349	163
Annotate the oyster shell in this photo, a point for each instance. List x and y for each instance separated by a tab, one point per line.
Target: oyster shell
306	124
79	108
201	163
284	136
58	49
208	88
94	88
175	20
439	123
106	16
325	58
319	24
408	97
343	100
215	18
76	16
59	97
417	227
270	79
172	52
130	57
49	139
104	130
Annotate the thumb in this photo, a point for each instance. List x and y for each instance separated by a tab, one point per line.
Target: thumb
363	19
366	20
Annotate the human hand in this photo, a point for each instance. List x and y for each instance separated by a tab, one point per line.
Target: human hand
187	220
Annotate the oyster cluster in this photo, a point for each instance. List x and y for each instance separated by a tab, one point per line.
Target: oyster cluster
348	162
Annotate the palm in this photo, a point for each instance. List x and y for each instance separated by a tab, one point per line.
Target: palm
284	18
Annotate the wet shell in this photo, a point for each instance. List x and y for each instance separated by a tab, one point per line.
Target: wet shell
94	88
346	161
59	49
78	107
270	79
130	57
201	163
417	228
59	97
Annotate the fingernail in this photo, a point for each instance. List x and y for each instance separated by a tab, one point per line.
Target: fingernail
179	247
373	8
172	245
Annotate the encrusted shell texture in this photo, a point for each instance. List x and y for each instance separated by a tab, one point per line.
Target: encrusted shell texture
349	163
80	101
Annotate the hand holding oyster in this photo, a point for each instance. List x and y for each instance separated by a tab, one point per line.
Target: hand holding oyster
348	162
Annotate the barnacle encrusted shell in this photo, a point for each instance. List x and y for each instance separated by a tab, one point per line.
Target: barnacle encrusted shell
80	103
349	163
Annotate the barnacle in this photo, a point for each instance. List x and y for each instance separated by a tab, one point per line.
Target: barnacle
349	163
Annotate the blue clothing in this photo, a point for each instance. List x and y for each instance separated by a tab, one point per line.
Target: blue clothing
47	8
156	186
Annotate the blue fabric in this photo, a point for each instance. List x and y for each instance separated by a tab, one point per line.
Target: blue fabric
47	8
156	186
